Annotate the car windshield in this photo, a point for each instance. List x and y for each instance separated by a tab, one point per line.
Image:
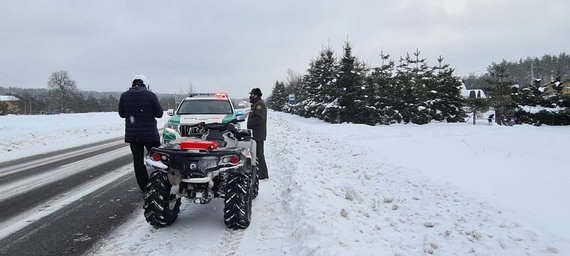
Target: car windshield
205	107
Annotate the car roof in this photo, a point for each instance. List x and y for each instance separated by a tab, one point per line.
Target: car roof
208	96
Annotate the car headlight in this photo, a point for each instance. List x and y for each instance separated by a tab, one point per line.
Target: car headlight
172	126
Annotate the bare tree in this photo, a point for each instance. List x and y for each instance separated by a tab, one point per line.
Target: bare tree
64	88
295	83
190	88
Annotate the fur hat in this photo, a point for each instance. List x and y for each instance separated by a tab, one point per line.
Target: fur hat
256	91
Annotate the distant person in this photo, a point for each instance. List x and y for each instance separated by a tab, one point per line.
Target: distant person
139	107
257	121
490	119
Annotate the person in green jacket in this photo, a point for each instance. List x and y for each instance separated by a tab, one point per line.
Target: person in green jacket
257	121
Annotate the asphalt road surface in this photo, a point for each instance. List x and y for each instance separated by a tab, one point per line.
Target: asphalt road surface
63	202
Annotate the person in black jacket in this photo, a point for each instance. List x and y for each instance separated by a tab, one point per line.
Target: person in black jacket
139	107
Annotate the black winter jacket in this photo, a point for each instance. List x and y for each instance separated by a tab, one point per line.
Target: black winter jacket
140	107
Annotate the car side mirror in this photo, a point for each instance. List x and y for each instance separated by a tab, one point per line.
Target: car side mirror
240	115
170	112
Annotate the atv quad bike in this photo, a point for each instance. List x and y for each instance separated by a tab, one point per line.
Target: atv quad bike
213	160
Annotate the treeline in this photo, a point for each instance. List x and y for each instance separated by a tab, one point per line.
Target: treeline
525	72
410	91
44	101
346	90
63	96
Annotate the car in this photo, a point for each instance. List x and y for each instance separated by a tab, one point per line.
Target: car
214	107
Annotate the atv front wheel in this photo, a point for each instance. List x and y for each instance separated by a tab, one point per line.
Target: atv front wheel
237	208
160	207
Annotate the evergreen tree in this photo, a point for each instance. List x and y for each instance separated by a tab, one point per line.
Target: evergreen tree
383	94
278	98
532	95
448	104
557	97
412	87
350	83
319	81
424	90
401	79
500	96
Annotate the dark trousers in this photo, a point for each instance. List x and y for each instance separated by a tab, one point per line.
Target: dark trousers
137	149
263	173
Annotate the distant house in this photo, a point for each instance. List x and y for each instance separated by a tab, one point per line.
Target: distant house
565	87
474	93
9	104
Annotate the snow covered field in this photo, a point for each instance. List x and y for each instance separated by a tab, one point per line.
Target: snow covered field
346	189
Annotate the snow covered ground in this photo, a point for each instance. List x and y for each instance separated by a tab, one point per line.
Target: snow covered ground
347	189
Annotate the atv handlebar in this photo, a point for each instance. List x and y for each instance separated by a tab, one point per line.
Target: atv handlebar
240	134
219	126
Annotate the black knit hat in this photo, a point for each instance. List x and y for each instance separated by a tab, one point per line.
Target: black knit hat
256	91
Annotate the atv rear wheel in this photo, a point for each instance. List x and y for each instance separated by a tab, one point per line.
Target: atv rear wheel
255	189
237	208
160	207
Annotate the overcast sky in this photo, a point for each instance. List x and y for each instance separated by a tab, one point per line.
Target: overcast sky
237	45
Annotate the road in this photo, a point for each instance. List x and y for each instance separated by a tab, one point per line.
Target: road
63	202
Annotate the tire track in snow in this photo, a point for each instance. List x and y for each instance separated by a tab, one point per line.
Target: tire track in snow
270	202
229	243
269	232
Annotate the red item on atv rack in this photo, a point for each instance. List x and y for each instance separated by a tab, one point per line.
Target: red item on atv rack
199	144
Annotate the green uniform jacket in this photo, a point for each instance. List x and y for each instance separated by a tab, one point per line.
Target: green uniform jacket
257	120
